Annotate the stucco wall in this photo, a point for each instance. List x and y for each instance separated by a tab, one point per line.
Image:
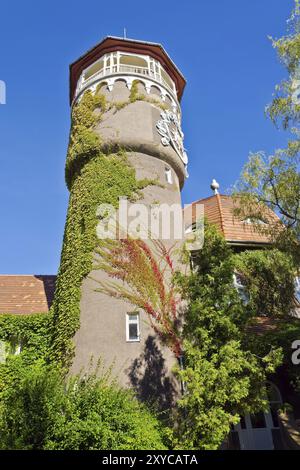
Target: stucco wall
145	365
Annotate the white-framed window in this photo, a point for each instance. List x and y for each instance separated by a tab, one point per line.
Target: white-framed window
133	327
3	351
240	287
191	228
255	221
168	175
297	288
15	346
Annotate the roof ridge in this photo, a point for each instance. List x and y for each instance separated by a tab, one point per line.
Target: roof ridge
209	197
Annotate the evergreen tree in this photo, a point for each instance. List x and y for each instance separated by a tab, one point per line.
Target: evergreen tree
223	378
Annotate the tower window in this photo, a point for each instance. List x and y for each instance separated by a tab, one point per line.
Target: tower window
168	174
132	327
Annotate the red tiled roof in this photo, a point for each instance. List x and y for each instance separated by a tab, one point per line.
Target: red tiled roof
25	294
262	325
218	209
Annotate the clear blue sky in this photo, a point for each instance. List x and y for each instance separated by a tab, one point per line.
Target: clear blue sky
220	46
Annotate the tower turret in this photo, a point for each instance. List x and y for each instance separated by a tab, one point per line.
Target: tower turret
137	71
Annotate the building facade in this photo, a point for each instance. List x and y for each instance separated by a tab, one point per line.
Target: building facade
141	88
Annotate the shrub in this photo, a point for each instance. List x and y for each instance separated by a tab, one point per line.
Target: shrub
42	411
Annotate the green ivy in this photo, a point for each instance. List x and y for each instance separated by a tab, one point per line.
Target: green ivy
32	333
86	114
43	411
268	276
93	178
136	96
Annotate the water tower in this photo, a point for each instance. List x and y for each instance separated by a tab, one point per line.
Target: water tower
147	126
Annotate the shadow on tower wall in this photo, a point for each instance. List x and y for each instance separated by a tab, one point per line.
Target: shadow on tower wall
150	379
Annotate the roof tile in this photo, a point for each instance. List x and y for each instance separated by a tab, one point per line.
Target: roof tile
218	209
26	294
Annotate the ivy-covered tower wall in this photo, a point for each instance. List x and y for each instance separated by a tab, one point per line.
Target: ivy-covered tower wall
125	141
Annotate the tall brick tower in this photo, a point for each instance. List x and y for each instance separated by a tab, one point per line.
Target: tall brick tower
141	88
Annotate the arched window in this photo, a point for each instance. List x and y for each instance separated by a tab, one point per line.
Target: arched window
275	401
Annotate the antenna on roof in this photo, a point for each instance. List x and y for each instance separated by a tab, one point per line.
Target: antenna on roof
125	33
215	186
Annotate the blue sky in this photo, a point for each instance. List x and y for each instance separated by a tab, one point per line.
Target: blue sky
220	46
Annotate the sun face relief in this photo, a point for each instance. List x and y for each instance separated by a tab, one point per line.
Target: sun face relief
169	128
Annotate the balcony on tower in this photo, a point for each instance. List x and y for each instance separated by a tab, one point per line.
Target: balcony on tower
116	58
120	63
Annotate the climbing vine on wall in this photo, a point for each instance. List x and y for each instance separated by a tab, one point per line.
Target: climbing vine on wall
268	277
93	178
86	114
145	271
31	333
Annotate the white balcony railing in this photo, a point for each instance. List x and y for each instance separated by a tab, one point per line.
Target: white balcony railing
126	69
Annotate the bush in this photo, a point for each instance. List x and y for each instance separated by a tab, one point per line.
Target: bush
42	411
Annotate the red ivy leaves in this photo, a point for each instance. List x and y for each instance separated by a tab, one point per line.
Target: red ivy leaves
146	282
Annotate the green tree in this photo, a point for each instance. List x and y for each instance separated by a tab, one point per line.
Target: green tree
42	411
268	279
273	181
223	378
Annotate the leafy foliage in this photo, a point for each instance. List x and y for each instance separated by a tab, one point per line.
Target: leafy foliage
42	412
274	180
284	107
268	277
31	332
94	178
223	378
146	275
281	335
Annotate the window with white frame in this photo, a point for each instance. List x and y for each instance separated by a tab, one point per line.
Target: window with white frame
133	327
168	174
297	288
240	287
255	221
191	228
15	346
3	351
